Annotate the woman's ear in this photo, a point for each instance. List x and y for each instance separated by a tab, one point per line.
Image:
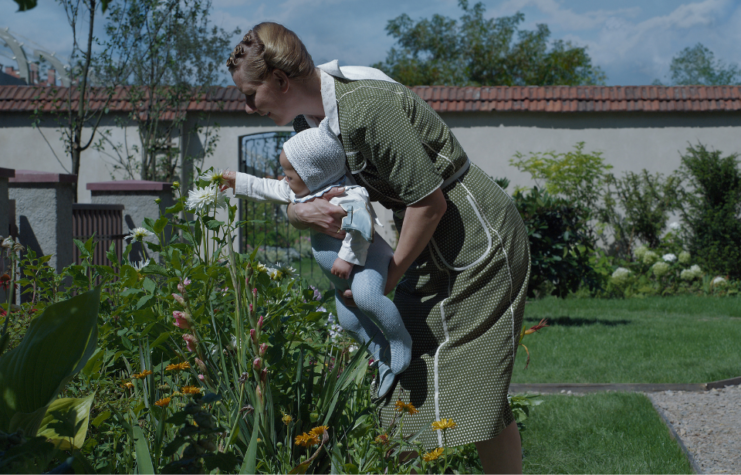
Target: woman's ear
281	79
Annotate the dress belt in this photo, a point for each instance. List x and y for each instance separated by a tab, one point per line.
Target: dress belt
457	174
462	171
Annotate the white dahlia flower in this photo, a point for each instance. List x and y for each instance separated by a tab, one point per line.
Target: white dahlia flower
203	199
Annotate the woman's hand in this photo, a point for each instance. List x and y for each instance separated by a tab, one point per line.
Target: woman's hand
319	214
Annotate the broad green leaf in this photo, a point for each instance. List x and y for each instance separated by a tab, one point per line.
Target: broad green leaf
102	417
78	412
56	346
250	459
143	459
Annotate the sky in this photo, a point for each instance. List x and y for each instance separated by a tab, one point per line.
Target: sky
633	41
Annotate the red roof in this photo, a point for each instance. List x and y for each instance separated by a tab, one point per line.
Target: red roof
441	98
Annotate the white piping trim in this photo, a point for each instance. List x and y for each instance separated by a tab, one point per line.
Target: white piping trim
436	360
511	284
367	87
484	225
438	187
438	153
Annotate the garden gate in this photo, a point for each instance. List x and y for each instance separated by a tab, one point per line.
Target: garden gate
105	222
267	226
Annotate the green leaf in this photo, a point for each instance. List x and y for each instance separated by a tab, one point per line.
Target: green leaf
250	459
176	208
66	421
94	364
101	418
149	285
56	346
143	459
160	224
224	462
172	448
25	5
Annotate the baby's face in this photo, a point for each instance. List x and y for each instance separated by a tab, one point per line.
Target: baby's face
297	185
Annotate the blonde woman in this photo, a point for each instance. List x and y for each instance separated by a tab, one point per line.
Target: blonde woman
462	251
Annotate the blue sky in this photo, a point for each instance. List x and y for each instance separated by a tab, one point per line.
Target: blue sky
633	41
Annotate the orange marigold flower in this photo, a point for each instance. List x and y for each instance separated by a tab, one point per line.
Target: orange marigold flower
127	385
317	431
190	390
286	419
178	366
302	439
164	402
443	424
433	455
141	375
406	407
382	439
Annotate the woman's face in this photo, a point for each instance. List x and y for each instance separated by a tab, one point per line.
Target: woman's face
268	97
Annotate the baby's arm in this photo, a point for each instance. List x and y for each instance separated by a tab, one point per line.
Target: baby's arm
252	188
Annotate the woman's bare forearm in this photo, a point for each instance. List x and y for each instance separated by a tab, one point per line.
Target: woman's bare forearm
420	223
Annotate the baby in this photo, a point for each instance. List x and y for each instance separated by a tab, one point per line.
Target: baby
314	163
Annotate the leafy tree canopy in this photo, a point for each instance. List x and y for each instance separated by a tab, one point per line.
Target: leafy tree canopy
475	51
697	65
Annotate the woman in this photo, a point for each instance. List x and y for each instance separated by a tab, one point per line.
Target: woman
463	248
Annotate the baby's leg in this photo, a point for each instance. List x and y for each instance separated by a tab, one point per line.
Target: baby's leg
367	286
361	329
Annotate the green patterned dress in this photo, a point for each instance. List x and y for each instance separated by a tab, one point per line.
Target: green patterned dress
463	299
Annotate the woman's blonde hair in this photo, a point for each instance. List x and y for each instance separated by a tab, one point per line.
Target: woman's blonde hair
267	47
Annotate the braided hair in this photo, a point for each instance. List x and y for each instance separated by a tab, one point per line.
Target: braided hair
267	47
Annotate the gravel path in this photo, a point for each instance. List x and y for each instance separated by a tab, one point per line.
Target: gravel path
709	424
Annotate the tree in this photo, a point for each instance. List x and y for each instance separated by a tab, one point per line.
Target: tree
479	52
171	55
697	65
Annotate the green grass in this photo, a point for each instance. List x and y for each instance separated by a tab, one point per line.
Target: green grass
599	433
682	339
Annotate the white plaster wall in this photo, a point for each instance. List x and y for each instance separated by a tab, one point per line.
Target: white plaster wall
629	141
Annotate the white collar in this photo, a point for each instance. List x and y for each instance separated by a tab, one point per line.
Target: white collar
329	71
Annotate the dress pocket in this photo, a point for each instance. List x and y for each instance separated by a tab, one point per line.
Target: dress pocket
463	237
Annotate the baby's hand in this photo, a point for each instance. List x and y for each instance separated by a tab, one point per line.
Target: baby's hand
342	269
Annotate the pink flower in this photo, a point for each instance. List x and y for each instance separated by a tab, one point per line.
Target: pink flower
201	377
258	391
179	299
254	292
250	308
259	322
253	335
191	342
264	375
263	349
257	364
183	284
182	320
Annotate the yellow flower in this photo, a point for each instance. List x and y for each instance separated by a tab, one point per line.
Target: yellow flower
141	375
434	455
306	440
178	366
127	385
163	402
261	267
406	407
190	390
287	419
443	424
317	431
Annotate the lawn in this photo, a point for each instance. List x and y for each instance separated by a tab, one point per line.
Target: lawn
599	433
653	340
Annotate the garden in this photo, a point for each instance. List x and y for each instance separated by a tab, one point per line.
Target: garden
202	359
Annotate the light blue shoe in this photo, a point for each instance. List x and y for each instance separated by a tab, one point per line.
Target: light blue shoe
386	380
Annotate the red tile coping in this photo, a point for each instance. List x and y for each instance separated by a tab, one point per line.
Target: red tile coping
129	185
441	98
33	176
7	172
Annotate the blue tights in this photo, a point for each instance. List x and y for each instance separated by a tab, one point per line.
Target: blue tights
375	320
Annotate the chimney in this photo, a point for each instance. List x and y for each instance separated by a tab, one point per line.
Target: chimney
9	71
51	77
34	73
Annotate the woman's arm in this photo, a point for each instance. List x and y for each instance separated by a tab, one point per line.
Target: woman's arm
420	222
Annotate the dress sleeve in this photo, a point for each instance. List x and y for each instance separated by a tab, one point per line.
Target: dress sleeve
387	138
252	188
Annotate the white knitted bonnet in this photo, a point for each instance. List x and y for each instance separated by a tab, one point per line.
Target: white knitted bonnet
317	156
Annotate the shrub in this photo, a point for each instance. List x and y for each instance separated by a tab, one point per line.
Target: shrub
577	176
645	201
712	209
560	247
